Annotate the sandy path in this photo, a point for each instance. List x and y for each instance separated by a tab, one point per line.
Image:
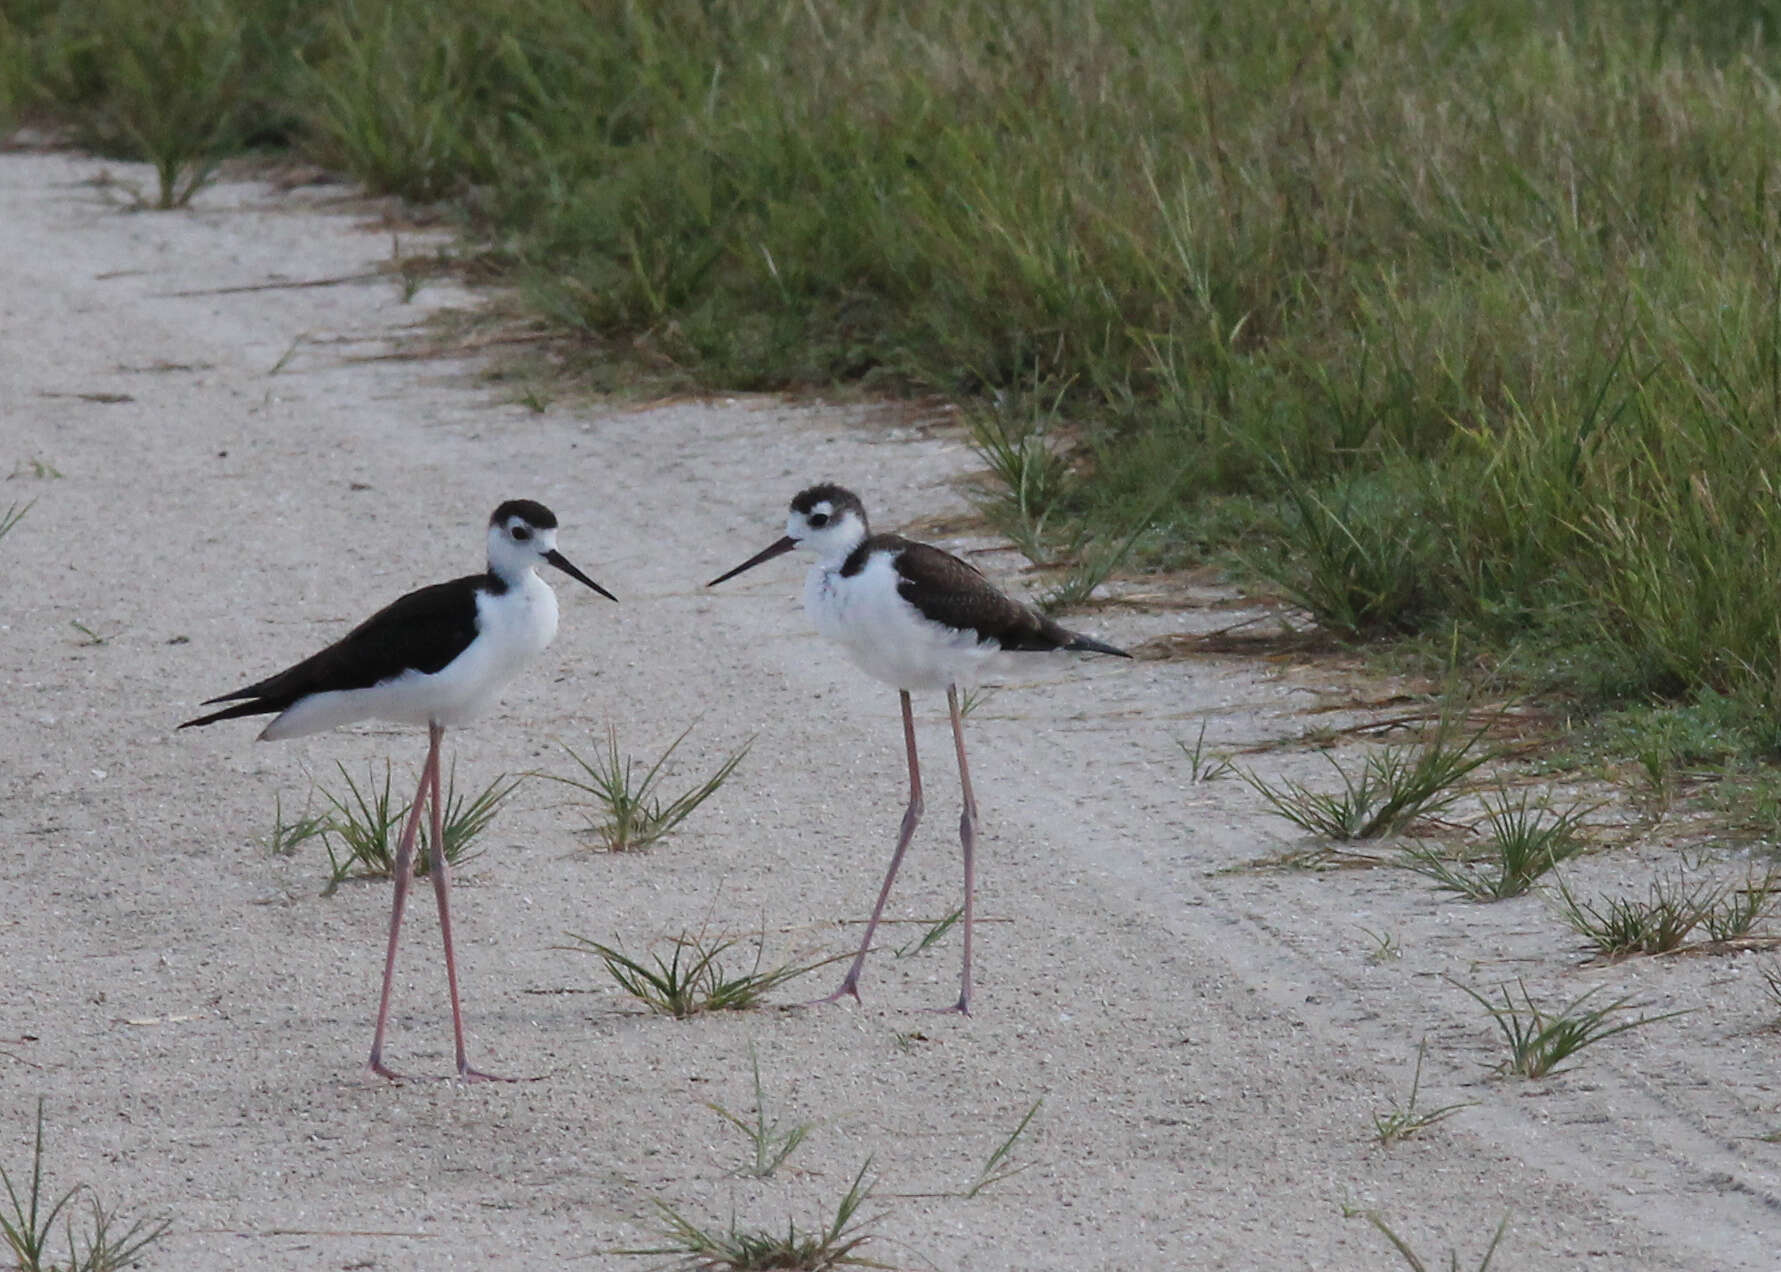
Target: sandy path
1210	1047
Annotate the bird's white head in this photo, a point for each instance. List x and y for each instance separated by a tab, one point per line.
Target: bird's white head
523	533
828	520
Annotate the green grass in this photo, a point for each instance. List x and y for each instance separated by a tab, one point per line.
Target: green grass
1402	1122
363	825
1394	786
28	1225
771	1142
1414	1261
1541	1039
693	978
630	811
1525	840
1454	322
834	1244
996	1168
14	514
1674	908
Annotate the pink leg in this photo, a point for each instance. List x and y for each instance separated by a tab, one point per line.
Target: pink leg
441	872
404	872
911	815
967	840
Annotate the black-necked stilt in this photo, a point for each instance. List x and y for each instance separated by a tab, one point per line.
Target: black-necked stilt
439	657
914	617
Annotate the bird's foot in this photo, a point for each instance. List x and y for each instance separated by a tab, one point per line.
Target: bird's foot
382	1070
962	1008
470	1075
849	989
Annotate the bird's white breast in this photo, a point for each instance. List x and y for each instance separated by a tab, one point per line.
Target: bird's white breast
885	635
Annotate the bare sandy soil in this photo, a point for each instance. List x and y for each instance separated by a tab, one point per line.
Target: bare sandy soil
239	474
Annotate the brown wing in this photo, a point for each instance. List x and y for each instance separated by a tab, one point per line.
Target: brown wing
955	593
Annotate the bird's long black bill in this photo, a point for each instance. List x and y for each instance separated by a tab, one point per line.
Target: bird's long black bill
563	563
766	554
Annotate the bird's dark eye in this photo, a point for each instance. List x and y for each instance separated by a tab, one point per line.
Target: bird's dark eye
522	532
818	520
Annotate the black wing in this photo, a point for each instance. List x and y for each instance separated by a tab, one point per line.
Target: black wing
424	630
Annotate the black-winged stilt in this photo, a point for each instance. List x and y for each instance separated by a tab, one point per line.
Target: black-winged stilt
439	656
917	618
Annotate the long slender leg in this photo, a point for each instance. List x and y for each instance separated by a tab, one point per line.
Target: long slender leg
967	840
441	872
404	872
911	815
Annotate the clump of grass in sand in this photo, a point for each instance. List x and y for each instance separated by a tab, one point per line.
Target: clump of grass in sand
630	811
1672	910
1394	786
835	1244
691	979
29	1227
363	826
1541	1040
14	514
1526	840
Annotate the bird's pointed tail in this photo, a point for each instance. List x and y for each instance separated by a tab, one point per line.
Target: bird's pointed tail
1089	645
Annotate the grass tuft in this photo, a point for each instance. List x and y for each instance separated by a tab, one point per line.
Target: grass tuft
30	1227
14	514
1540	1041
1414	1261
835	1244
631	813
692	979
1394	787
362	830
1526	840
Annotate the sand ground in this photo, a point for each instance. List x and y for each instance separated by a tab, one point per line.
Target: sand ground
225	479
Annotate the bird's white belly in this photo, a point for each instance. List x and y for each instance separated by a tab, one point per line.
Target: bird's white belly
885	636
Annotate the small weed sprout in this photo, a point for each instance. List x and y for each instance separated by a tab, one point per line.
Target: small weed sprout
1394	787
631	813
930	936
28	1228
368	823
1385	946
691	980
771	1142
974	697
996	1169
1541	1041
1410	1256
14	514
287	837
834	1245
1402	1123
1771	982
1202	767
1526	840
